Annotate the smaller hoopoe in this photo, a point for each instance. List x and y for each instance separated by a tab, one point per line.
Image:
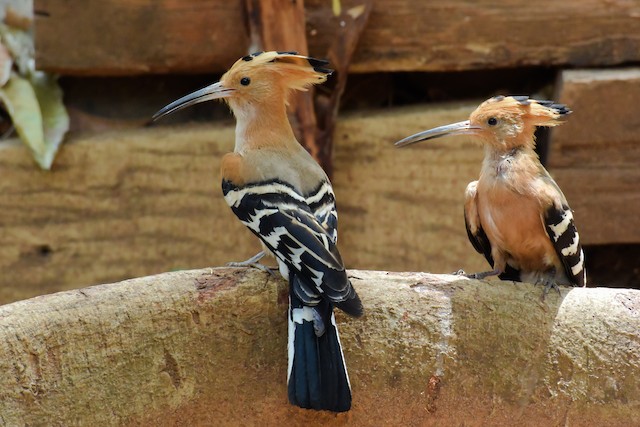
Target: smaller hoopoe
278	191
515	213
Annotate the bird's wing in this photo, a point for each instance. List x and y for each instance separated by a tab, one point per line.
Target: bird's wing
476	234
478	239
322	202
558	221
282	219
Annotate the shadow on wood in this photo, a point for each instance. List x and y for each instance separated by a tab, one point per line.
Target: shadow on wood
208	347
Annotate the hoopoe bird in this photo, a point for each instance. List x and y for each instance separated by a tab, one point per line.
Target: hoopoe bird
278	191
515	213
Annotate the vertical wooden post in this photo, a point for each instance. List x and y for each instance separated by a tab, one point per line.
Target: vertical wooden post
280	25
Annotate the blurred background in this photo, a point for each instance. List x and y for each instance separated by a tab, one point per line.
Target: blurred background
91	192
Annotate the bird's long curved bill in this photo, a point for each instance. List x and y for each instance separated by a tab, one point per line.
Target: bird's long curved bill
453	129
214	91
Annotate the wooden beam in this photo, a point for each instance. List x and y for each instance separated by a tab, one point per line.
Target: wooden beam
133	37
209	346
135	202
350	23
119	37
595	155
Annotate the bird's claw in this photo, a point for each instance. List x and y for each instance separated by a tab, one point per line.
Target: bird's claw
548	285
257	265
253	262
459	273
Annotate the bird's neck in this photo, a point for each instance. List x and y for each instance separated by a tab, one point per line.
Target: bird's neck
514	167
500	148
261	126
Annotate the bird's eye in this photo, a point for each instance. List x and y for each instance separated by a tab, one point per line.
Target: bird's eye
492	121
245	81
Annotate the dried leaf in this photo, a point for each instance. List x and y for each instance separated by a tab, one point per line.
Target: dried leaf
55	118
356	11
19	17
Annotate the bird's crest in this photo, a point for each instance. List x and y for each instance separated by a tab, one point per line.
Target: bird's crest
532	111
296	71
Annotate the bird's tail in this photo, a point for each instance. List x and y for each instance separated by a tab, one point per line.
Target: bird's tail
317	376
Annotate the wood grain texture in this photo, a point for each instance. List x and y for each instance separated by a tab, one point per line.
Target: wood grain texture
129	203
116	37
595	155
207	347
144	36
402	209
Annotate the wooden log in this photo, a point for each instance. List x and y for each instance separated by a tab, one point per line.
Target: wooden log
208	347
595	155
136	202
132	37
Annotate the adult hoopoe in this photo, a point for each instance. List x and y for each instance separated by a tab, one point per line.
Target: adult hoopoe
515	214
284	197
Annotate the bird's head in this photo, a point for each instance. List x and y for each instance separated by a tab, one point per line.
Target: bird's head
259	78
504	122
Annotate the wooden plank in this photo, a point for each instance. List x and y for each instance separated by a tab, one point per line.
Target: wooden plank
136	202
595	155
138	36
115	37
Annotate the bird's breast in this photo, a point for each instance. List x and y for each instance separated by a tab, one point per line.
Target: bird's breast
513	224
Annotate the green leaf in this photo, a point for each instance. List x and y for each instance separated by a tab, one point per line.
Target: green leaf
6	64
54	115
337	7
20	44
38	114
21	103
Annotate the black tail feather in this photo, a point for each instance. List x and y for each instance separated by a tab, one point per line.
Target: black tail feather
318	378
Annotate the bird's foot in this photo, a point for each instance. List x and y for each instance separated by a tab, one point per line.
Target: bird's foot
254	263
459	273
548	285
257	265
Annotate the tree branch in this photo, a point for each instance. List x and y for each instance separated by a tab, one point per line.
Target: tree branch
209	346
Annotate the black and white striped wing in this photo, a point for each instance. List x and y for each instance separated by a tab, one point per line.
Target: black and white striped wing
566	241
322	203
281	218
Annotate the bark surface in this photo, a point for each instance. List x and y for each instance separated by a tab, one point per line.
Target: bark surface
208	347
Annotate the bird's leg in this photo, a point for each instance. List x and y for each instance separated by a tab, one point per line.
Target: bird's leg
248	262
481	275
253	262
